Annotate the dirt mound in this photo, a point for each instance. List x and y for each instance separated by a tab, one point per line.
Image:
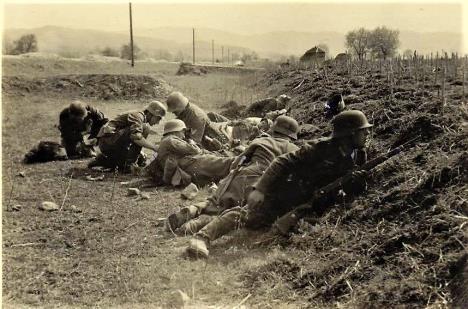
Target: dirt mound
232	109
189	69
96	86
402	242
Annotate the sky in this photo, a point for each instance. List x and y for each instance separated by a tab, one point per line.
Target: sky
242	18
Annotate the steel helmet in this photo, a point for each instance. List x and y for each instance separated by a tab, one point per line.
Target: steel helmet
176	102
77	109
287	126
156	108
345	123
174	125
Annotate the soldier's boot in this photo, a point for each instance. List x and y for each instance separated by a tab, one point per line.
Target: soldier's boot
194	225
175	220
198	248
230	220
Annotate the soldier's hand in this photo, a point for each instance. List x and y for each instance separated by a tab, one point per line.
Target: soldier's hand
255	198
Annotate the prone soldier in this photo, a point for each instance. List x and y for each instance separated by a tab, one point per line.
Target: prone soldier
291	179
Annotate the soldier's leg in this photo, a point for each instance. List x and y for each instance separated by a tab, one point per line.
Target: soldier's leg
195	225
71	146
230	220
175	220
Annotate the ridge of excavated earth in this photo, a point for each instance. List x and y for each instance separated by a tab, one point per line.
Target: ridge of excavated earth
403	241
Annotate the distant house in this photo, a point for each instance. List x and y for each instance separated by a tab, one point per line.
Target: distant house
315	55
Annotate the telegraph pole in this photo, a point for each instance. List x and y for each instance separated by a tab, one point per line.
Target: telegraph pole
131	33
212	51
193	45
228	55
222	54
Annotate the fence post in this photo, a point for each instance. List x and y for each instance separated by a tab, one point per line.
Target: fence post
444	73
464	83
423	79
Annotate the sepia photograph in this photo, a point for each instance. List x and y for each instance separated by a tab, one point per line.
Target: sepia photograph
234	154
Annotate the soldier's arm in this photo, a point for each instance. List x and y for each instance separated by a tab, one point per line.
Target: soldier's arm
283	166
184	148
98	120
197	130
136	131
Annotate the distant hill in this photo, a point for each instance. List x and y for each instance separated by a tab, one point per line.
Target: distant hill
178	40
79	42
296	43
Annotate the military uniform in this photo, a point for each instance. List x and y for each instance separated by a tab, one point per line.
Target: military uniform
201	130
289	181
116	139
179	162
234	189
72	129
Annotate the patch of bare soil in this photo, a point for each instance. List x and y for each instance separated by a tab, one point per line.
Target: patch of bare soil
96	86
402	242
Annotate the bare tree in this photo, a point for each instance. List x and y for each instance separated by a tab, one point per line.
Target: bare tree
384	42
25	44
358	42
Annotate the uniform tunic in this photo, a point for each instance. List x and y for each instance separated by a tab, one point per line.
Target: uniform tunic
200	127
116	140
201	167
288	182
234	189
72	130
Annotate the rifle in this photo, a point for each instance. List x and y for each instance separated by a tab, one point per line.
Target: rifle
290	219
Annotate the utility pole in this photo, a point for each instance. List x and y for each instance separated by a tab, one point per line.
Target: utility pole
212	51
131	34
228	55
193	45
222	54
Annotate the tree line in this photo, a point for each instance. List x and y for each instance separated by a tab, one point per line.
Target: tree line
379	43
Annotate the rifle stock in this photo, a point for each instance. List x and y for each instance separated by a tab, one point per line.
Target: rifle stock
290	219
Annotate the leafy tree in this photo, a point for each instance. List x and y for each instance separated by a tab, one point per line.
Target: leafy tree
358	41
25	44
109	52
126	52
384	42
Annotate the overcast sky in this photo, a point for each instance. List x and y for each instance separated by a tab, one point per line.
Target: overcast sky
241	18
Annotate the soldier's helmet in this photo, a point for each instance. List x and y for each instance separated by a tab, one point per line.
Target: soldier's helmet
77	109
287	126
174	125
334	105
176	102
156	108
345	123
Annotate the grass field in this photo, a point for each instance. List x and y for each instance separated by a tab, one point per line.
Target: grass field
114	252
